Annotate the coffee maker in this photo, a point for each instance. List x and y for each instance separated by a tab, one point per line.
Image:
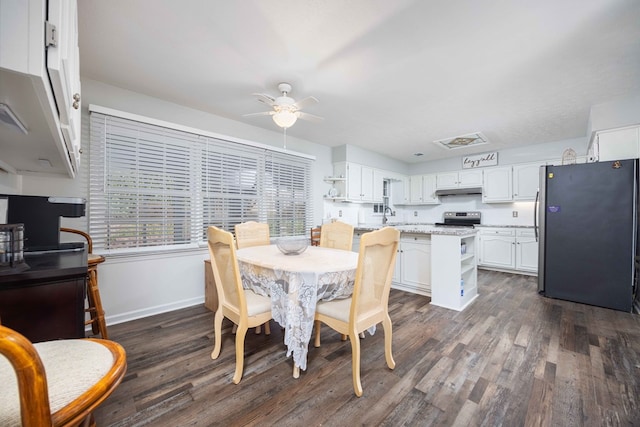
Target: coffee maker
40	216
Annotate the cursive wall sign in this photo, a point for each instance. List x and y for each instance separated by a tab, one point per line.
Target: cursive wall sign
480	160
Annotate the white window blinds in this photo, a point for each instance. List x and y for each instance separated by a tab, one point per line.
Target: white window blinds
151	186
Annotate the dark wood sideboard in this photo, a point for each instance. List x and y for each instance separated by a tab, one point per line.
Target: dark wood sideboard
46	300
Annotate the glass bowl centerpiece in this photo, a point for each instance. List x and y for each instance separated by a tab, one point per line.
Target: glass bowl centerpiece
292	245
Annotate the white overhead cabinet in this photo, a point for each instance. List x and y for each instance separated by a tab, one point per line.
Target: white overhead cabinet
616	144
461	179
510	183
423	190
400	190
497	185
526	180
40	84
363	183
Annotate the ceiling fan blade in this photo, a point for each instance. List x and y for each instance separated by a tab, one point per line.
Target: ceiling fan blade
310	100
310	117
264	113
265	99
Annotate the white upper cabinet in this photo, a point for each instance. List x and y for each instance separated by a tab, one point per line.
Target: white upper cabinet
511	183
526	180
363	184
460	179
617	144
497	185
40	83
423	190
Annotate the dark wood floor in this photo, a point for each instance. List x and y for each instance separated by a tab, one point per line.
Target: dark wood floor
512	358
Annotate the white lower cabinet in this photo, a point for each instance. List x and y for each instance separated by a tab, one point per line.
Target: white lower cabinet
526	251
415	263
509	249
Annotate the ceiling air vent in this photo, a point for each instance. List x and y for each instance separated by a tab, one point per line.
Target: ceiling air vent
462	141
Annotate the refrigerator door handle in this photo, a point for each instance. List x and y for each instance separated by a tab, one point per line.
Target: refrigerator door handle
535	215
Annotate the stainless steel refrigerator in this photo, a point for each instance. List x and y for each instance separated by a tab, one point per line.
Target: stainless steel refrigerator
587	225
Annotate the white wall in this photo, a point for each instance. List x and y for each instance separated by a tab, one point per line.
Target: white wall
616	113
142	285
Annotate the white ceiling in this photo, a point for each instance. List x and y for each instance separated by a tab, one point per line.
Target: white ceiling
391	76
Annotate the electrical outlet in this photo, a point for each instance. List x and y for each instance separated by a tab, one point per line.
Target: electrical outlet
515	214
340	213
415	213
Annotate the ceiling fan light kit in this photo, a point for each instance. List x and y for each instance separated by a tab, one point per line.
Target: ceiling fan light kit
286	111
284	118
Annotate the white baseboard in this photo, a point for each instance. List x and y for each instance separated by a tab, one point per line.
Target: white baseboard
150	311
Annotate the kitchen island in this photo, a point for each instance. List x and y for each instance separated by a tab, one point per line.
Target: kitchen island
439	262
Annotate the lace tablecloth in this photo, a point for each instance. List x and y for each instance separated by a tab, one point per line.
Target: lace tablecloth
295	284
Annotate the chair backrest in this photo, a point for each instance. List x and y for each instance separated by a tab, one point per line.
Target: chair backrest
252	233
376	262
57	396
226	272
315	236
83	234
337	235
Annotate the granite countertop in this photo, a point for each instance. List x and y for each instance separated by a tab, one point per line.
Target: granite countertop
422	229
430	228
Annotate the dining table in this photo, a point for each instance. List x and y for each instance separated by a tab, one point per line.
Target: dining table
295	283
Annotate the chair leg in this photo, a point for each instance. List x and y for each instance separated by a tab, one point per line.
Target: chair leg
267	328
98	324
217	334
355	362
258	329
386	325
316	342
240	335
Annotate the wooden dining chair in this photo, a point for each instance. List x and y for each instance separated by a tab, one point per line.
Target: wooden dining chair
56	383
336	235
368	305
243	307
252	233
315	236
94	302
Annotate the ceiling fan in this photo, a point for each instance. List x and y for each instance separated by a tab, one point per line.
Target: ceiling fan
285	109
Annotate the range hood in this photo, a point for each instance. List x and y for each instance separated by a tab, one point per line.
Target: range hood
459	191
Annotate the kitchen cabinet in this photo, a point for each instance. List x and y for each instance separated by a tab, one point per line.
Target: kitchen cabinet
526	251
40	83
509	249
497	248
454	280
413	264
510	183
423	190
400	190
497	185
616	144
363	183
526	180
460	179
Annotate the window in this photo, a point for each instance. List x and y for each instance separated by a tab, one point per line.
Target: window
153	186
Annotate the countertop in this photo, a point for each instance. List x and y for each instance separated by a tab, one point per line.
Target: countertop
40	267
422	229
430	228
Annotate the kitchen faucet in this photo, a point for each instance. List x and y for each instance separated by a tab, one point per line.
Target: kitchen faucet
384	214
